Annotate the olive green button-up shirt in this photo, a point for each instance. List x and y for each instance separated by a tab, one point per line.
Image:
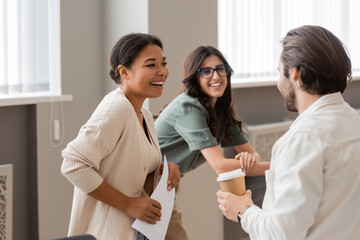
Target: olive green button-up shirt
182	129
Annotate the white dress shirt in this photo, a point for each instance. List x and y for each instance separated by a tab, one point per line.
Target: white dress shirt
313	184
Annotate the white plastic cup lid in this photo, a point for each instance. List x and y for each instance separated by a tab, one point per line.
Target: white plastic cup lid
230	175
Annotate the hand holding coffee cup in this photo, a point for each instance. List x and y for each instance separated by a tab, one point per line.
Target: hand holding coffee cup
233	181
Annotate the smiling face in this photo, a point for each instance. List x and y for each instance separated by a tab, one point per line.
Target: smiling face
215	86
147	75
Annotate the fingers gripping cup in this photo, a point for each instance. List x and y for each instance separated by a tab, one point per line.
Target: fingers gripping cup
233	181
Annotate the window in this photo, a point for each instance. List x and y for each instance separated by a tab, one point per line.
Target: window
250	31
29	48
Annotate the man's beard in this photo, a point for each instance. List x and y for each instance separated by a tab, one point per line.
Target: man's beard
289	99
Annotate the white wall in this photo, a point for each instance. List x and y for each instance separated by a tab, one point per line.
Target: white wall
182	26
120	18
81	60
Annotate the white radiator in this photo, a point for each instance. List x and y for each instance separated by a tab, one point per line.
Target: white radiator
6	201
263	136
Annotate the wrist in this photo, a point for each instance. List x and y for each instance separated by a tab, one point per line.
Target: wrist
124	204
244	209
257	156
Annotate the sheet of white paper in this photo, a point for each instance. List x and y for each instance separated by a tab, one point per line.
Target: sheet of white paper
166	199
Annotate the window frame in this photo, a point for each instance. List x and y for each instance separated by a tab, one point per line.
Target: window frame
52	73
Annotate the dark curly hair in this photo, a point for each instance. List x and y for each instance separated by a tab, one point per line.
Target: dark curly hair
320	57
126	49
222	115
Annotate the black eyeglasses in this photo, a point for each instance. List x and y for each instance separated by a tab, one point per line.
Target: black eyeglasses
208	72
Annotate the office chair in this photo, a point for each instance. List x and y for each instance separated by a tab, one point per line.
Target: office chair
78	237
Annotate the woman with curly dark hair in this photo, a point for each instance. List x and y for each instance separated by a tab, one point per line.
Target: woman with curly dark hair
200	118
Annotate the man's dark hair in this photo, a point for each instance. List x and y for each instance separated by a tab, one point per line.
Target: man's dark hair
320	57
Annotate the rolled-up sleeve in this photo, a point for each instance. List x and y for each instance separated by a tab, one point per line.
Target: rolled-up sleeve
237	137
192	126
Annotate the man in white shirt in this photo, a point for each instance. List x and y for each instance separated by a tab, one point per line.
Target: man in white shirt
313	184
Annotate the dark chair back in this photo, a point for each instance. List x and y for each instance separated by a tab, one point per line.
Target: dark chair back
78	237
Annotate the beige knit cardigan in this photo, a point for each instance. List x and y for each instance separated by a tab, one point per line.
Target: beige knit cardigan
111	146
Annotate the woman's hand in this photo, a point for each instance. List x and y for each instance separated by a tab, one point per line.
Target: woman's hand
174	175
248	160
143	208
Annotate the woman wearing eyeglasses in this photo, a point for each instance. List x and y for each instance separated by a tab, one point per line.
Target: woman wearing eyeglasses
200	118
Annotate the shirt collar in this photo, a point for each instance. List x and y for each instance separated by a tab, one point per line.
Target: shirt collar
328	99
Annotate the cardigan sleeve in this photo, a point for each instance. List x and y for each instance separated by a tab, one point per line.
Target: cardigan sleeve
95	141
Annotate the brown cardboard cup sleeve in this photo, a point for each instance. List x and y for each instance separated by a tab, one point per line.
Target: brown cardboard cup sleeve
233	181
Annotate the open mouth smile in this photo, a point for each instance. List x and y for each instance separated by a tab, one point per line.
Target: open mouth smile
157	83
215	84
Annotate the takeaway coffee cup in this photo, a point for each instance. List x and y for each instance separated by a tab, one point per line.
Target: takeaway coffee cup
233	181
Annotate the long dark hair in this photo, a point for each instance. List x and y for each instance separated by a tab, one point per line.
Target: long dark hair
320	57
222	115
126	49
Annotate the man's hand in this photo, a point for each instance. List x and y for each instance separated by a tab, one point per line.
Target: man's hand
231	204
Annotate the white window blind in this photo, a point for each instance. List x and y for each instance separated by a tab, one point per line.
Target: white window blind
249	31
29	47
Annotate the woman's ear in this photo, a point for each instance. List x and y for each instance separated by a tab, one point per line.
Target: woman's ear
124	72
